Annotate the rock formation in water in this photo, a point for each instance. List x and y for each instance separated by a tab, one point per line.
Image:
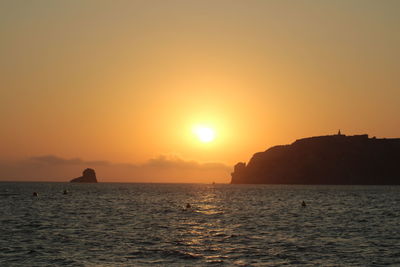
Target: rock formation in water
88	176
332	159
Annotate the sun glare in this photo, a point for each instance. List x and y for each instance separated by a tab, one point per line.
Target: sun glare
204	134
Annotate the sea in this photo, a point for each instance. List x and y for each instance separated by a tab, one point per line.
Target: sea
115	224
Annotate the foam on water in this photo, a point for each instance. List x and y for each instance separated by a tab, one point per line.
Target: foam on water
242	225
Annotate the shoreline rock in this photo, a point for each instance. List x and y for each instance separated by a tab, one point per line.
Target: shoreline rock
332	159
88	176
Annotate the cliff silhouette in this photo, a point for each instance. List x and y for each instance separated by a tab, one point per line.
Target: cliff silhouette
88	176
332	159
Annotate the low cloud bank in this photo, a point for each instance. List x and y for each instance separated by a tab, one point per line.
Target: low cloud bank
168	169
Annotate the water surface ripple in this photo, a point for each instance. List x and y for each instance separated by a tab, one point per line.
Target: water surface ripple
232	225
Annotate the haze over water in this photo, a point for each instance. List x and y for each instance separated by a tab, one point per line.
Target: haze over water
227	225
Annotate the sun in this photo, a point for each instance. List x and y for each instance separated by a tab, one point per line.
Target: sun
204	133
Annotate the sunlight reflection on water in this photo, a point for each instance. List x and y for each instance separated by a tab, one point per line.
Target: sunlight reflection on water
242	225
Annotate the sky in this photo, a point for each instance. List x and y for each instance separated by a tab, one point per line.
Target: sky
119	85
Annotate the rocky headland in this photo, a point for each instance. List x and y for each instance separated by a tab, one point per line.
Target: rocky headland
333	159
88	176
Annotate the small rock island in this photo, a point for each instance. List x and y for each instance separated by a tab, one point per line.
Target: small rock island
88	176
333	159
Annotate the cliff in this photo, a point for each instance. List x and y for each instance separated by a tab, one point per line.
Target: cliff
88	176
333	159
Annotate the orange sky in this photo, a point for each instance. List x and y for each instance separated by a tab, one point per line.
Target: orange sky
124	82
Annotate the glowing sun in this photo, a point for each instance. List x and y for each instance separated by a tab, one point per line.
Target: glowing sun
204	134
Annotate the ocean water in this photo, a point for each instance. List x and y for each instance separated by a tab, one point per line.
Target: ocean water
109	224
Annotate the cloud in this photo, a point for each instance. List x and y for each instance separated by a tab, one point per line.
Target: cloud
54	160
164	168
168	162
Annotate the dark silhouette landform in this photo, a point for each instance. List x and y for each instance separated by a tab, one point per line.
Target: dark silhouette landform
333	159
88	176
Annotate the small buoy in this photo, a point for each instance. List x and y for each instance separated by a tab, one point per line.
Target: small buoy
303	204
35	194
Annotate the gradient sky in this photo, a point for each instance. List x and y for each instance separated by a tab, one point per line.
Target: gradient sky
118	85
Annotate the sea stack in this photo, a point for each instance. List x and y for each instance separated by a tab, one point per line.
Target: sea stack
332	159
88	176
